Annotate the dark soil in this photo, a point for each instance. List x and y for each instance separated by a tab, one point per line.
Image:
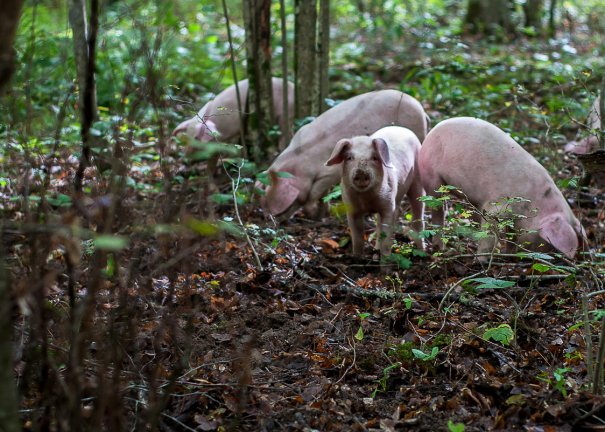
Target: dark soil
187	333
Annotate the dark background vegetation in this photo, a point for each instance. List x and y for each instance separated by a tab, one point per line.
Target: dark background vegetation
136	303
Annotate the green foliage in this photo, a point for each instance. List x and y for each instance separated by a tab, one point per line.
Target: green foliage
557	381
263	177
422	356
383	381
334	194
503	334
455	427
490	283
110	242
360	334
401	261
205	150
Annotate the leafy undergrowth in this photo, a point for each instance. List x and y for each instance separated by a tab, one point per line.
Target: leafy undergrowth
185	332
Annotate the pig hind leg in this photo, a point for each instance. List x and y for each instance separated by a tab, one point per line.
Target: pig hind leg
414	193
431	182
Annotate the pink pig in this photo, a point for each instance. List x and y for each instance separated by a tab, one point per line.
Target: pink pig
219	120
591	142
307	178
377	171
488	166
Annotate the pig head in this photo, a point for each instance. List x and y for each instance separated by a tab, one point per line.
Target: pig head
219	118
489	167
201	127
363	162
312	145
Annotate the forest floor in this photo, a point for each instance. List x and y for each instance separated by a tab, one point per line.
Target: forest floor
319	339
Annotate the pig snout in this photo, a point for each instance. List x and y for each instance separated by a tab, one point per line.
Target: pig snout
361	178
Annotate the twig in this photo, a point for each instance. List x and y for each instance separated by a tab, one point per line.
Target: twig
234	187
350	366
587	336
597	385
601	113
453	287
362	292
591	413
180	423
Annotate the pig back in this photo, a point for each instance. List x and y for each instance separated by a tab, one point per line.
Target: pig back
483	161
361	115
224	108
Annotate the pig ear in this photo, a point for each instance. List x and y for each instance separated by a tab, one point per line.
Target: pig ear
383	151
559	233
181	128
338	153
281	194
205	129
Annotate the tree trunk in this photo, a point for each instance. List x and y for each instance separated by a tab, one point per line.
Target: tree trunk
489	16
552	30
9	417
257	22
533	14
78	22
286	130
85	64
601	112
10	12
324	54
305	36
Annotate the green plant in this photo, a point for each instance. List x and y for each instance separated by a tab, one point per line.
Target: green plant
489	283
382	381
558	380
455	427
360	335
503	334
421	355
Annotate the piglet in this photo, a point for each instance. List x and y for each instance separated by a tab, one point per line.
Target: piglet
591	142
307	178
488	167
219	119
376	172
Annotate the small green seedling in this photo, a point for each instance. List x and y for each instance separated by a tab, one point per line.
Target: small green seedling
421	355
360	335
503	334
382	382
455	427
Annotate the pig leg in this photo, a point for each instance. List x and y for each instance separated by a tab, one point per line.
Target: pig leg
356	226
384	232
414	192
315	208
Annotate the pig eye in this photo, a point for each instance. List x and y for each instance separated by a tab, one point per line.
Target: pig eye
375	158
349	158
